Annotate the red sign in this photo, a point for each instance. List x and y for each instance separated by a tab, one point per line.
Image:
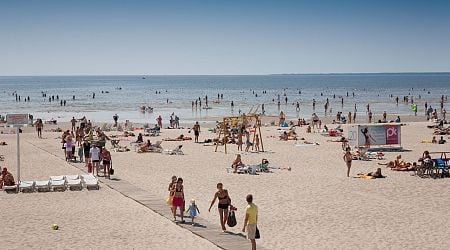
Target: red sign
392	134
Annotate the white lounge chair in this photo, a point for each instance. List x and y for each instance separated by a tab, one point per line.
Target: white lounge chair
72	177
58	185
75	184
42	186
90	182
10	189
26	186
56	177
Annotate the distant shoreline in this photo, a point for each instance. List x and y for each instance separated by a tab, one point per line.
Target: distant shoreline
225	75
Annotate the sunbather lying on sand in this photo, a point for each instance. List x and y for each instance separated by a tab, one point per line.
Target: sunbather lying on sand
408	167
371	175
179	138
3	143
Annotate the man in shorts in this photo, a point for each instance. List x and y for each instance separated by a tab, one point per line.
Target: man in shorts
196	129
251	218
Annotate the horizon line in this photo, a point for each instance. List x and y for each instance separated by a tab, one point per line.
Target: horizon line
262	74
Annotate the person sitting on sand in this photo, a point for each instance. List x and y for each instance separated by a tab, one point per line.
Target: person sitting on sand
145	147
237	163
399	163
284	136
371	175
140	139
434	141
292	135
376	174
6	178
180	137
442	141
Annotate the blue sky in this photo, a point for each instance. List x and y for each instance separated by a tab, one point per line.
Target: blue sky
222	37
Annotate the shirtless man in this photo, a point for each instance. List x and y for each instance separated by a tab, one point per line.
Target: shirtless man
6	179
196	129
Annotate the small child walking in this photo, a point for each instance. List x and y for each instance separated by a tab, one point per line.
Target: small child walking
80	153
193	210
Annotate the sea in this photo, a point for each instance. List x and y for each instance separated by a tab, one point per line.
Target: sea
125	95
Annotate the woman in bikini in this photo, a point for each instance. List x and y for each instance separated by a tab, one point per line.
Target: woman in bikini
348	157
172	184
178	199
224	203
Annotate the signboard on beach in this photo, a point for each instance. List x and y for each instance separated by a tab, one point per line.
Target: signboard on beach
17	119
379	134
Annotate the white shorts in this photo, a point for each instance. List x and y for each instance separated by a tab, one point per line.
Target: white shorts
251	231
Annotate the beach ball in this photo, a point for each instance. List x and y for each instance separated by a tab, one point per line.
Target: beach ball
55	227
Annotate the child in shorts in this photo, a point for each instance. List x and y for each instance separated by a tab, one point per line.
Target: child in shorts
80	153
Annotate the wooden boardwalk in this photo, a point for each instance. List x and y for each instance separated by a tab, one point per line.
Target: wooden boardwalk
203	228
212	233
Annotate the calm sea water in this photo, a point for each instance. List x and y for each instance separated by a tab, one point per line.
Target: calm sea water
242	90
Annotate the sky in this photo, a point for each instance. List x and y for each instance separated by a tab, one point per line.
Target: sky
212	37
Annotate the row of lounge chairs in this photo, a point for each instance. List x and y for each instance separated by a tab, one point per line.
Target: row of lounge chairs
57	183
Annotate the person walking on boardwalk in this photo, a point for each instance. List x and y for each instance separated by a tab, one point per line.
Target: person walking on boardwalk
251	220
224	203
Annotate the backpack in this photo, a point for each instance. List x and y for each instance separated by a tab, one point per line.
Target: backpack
231	222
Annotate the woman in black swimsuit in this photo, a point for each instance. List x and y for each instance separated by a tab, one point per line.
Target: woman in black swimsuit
224	203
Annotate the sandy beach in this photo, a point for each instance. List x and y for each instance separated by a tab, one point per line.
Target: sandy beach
312	206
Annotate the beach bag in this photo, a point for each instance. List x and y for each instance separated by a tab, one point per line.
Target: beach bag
169	200
257	235
231	222
111	171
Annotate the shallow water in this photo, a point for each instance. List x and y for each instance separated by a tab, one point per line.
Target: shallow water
180	91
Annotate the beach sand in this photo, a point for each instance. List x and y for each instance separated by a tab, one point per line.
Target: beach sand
314	206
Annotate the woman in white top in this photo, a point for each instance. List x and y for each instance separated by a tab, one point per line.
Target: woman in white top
95	157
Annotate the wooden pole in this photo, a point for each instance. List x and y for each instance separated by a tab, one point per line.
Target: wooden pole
260	135
225	134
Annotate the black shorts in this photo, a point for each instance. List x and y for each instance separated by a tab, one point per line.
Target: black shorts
39	129
87	154
223	206
96	161
196	133
105	162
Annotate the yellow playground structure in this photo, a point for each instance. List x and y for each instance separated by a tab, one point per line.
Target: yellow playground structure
242	120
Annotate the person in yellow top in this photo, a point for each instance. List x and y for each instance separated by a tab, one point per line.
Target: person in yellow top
251	219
